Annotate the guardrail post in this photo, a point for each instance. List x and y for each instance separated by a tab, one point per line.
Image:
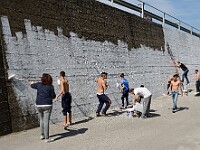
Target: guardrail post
163	19
199	35
191	31
179	25
143	9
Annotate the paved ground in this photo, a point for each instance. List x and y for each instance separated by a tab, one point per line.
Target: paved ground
163	131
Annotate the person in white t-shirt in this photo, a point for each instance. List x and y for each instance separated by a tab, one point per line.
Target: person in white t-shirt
144	94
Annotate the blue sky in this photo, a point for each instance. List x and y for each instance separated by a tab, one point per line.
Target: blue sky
187	11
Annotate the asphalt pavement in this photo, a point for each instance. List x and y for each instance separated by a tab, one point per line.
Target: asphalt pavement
164	130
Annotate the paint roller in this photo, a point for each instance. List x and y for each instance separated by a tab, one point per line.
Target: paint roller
11	76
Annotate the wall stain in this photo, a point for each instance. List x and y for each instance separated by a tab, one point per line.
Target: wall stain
87	18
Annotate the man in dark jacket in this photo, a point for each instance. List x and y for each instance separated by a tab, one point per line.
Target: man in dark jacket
185	72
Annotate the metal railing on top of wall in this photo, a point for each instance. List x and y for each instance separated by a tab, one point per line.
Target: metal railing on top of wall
150	16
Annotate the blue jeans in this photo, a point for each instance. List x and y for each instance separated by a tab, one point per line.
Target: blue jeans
174	98
44	115
184	75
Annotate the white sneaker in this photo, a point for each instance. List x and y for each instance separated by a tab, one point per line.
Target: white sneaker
196	93
41	137
49	140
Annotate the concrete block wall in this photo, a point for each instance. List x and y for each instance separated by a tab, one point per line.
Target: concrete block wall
185	48
5	121
83	38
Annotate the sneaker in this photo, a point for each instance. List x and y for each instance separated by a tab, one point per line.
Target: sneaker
122	107
143	117
49	140
98	115
196	93
135	114
41	137
104	114
173	110
149	115
139	114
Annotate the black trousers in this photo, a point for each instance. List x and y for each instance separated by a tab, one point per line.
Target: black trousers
125	96
197	86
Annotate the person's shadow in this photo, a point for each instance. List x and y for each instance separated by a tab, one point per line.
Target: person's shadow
83	121
71	132
115	113
182	108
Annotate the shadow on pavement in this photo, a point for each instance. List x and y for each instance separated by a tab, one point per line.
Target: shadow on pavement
115	113
152	115
71	132
152	110
118	113
83	121
182	108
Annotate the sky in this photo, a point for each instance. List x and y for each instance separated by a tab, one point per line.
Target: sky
187	11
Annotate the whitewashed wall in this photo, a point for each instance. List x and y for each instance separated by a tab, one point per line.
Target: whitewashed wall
41	51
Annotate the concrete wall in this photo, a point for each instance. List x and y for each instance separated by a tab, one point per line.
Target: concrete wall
5	121
185	48
83	38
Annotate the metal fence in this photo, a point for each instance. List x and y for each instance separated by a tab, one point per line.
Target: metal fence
146	14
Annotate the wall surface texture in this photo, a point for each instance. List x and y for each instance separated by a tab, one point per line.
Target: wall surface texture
5	122
83	38
185	48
